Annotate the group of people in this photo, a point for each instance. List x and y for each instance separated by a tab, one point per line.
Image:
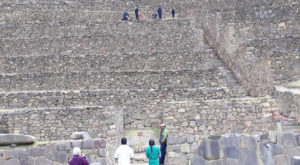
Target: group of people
154	15
156	155
124	154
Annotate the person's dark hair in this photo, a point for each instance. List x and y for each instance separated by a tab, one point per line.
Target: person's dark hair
151	144
123	141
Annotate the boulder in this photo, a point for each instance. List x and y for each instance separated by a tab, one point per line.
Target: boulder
8	139
286	140
80	135
210	150
232	152
198	161
249	157
229	140
296	160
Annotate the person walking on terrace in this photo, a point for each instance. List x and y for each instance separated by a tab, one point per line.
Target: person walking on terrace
125	16
124	153
136	11
173	13
153	153
163	139
77	159
159	12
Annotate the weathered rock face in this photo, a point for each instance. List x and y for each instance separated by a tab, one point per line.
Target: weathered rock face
229	150
8	139
57	153
80	135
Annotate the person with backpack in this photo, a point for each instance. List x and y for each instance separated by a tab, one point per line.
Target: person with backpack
153	153
125	16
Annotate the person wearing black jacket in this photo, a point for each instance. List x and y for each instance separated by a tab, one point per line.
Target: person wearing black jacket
159	11
136	10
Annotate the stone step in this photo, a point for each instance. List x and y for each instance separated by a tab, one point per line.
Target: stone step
117	42
216	77
199	60
32	30
60	98
140	157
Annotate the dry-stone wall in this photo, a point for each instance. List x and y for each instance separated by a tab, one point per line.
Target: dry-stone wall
54	153
259	42
234	149
59	123
189	122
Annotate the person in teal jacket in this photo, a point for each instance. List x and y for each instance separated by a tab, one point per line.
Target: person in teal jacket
153	153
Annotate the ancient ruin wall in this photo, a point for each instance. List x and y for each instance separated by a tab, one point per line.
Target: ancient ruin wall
54	153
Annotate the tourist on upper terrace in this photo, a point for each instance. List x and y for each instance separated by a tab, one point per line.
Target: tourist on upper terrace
136	11
124	153
154	15
173	13
125	16
153	153
159	11
163	139
77	158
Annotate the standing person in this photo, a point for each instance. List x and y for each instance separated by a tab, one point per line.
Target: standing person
173	13
136	11
124	153
77	159
163	143
125	16
159	11
153	153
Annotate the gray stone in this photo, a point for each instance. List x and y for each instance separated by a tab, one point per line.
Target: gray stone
36	151
18	153
232	152
102	161
296	160
76	143
248	157
64	147
215	162
210	149
176	140
266	153
174	148
274	149
248	142
298	139
102	152
80	135
88	144
60	156
7	139
12	162
177	160
43	160
231	162
286	140
99	143
229	140
27	161
198	161
281	160
190	139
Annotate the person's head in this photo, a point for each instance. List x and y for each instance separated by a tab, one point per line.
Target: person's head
162	127
123	141
76	151
151	142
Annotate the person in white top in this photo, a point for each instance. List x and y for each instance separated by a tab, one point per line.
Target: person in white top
124	153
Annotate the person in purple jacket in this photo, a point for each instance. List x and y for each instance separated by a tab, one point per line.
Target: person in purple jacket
77	159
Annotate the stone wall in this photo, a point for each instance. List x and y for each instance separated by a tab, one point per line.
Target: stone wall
258	42
59	123
54	153
189	122
234	149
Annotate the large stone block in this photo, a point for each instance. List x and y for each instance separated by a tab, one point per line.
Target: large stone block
229	140
64	147
286	140
76	143
102	152
298	139
249	157
281	160
27	161
296	160
177	160
249	142
232	152
37	151
210	150
80	135
7	139
176	140
174	148
43	160
60	156
88	144
99	143
198	161
12	162
18	153
185	148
